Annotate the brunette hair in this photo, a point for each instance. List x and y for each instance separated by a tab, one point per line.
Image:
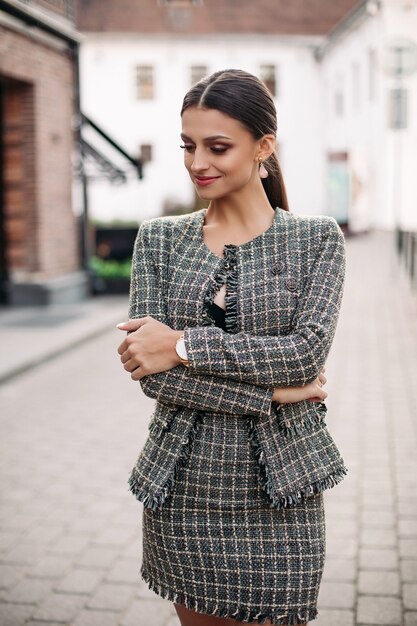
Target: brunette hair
244	97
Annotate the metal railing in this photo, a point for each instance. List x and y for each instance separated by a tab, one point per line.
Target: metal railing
407	251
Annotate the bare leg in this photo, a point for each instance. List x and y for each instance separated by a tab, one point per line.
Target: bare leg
188	617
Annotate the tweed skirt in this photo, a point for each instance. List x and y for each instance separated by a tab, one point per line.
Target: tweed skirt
217	545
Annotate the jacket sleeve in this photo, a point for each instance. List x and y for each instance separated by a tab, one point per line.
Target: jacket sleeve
288	360
180	385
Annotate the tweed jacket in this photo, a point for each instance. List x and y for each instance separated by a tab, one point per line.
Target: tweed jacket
283	295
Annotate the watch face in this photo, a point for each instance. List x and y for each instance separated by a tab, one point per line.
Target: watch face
180	347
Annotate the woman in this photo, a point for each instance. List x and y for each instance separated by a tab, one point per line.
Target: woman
233	310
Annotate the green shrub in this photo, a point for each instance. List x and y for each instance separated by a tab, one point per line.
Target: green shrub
111	268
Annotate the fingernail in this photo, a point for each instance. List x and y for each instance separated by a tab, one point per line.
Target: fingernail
120	324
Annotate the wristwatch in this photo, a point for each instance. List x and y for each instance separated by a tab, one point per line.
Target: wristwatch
181	351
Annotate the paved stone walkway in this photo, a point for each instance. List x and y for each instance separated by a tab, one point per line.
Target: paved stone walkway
71	429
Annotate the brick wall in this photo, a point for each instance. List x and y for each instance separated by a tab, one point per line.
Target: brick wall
37	85
63	8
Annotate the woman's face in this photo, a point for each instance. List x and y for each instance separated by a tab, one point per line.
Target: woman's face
219	151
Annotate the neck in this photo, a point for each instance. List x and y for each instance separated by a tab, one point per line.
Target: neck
243	211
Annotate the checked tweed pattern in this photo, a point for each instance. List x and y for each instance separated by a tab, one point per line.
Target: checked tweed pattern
232	482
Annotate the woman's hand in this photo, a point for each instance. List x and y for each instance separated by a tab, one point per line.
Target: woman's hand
313	391
150	348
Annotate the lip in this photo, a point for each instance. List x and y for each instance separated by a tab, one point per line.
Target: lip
202	182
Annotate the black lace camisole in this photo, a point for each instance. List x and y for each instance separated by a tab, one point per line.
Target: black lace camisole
218	314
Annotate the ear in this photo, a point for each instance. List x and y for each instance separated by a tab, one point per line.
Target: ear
266	146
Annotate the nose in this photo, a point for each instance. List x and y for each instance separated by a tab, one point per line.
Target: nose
200	162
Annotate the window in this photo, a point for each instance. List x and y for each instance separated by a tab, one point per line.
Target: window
398	109
268	77
371	73
197	73
356	95
145	152
339	101
144	82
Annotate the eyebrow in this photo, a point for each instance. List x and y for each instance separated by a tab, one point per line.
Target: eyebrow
207	138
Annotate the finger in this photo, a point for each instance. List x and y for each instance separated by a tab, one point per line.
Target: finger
131	365
123	347
137	374
132	324
322	379
125	357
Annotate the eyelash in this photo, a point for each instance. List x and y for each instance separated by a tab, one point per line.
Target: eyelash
216	150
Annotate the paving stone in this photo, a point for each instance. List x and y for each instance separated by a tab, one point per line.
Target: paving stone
89	617
378	610
379	583
408	548
28	591
407	506
408	568
410	618
407	528
378	559
333	617
115	536
80	580
339	569
384	519
17	521
338	595
97	557
14	614
52	567
124	571
378	537
149	612
69	544
11	574
22	553
410	595
337	547
42	623
132	550
43	534
338	509
111	597
59	607
8	539
343	528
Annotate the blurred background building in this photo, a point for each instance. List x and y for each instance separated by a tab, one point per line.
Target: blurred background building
38	93
90	99
340	72
45	235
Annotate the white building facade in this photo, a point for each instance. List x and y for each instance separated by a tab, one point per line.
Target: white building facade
339	154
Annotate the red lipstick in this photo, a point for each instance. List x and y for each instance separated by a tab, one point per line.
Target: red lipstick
205	180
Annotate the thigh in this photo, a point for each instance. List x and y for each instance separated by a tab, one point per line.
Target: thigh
188	617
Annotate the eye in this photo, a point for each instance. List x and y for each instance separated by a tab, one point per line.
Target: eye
187	147
219	150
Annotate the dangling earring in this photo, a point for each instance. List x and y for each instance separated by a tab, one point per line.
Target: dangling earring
263	172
